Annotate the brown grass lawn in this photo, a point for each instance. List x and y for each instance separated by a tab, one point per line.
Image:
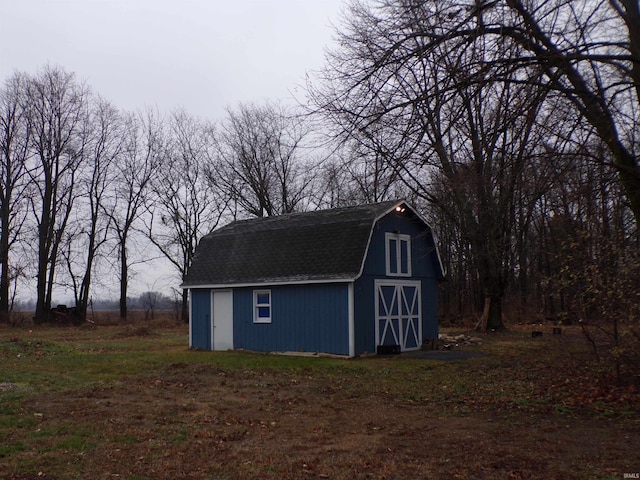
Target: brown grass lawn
132	402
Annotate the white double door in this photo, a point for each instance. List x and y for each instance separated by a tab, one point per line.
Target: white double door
398	313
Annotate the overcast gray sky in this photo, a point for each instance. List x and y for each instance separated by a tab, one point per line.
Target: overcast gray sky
203	55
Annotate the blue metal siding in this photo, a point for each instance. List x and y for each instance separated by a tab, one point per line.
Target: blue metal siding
310	318
423	254
364	315
423	268
201	319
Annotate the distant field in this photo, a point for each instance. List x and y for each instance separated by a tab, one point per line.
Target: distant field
133	402
110	317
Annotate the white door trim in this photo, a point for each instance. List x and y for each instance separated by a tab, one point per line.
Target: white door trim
211	319
190	300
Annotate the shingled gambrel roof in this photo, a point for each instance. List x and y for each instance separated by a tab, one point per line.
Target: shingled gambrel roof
315	246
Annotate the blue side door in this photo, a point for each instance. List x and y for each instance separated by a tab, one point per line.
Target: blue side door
201	319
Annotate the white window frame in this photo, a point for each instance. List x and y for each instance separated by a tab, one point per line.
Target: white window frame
257	306
397	253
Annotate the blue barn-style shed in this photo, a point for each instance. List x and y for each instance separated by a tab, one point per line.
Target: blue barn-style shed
345	281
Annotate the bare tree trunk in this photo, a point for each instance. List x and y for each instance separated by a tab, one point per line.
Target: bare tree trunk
4	265
43	301
494	318
82	301
124	279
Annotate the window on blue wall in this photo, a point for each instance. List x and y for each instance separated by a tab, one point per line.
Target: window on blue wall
398	255
262	306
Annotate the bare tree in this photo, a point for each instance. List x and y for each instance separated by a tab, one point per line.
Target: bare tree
260	147
14	143
185	204
457	125
592	260
57	110
139	159
103	140
588	52
357	174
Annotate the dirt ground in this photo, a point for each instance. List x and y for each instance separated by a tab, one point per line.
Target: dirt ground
203	423
189	420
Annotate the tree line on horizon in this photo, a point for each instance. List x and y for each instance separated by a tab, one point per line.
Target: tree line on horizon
512	125
90	192
147	300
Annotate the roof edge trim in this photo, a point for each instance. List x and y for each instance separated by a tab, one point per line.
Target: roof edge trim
266	284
